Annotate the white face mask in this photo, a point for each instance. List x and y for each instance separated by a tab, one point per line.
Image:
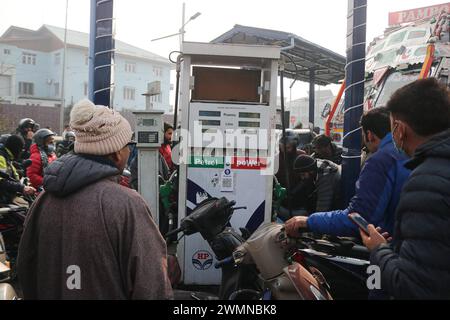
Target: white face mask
396	145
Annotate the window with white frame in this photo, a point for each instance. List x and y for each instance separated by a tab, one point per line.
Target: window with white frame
130	67
26	88
57	59
129	93
29	58
5	86
157	71
6	51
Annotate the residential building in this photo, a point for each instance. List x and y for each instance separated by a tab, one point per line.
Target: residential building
31	64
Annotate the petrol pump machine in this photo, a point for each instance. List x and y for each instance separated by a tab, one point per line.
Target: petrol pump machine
149	134
227	140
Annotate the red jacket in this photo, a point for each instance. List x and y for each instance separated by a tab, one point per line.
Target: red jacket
166	151
35	172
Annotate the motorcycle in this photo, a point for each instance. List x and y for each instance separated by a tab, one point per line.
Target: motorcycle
258	267
12	219
7	292
4	264
342	261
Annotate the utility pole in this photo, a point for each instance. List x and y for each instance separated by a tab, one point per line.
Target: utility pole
354	95
63	80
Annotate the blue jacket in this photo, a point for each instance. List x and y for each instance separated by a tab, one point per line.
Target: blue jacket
377	195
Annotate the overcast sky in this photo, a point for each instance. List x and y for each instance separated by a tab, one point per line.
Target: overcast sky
139	21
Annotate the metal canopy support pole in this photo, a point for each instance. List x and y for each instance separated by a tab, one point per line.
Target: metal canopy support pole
92	50
101	51
312	96
354	95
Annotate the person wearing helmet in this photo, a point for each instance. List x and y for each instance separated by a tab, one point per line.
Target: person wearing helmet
66	145
42	154
92	222
10	185
27	127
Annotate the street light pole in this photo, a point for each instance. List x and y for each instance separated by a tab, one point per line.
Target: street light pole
183	13
181	32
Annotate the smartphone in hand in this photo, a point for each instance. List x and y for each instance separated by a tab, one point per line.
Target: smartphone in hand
362	223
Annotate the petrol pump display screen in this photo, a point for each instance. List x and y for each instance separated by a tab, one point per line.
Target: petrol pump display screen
203	113
247	124
148	122
215	123
249	115
148	137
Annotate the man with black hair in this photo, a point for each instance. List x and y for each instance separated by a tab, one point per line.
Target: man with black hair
377	189
316	187
288	154
417	264
10	183
325	149
166	147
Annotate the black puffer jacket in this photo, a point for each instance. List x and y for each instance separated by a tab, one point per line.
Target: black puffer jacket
418	265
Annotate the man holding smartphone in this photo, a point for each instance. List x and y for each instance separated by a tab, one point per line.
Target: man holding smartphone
377	190
417	265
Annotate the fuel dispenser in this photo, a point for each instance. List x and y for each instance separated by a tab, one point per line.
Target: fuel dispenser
227	140
149	134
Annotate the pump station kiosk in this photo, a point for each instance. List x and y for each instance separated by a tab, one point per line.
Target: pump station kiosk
227	140
149	135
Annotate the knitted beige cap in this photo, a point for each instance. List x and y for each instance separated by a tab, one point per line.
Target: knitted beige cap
98	129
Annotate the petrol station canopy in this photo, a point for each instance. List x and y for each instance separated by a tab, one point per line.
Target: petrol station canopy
314	63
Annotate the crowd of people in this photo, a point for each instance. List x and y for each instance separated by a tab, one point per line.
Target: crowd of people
75	179
107	231
403	191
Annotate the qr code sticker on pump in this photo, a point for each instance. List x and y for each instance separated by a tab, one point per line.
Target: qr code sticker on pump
227	183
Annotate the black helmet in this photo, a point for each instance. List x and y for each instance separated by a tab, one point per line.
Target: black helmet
14	143
40	136
26	123
68	135
3	138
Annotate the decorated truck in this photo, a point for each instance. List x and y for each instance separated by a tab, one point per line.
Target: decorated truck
414	46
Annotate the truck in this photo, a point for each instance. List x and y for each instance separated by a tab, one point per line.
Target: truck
414	46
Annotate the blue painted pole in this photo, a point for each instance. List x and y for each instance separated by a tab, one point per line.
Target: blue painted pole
92	50
354	95
101	52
